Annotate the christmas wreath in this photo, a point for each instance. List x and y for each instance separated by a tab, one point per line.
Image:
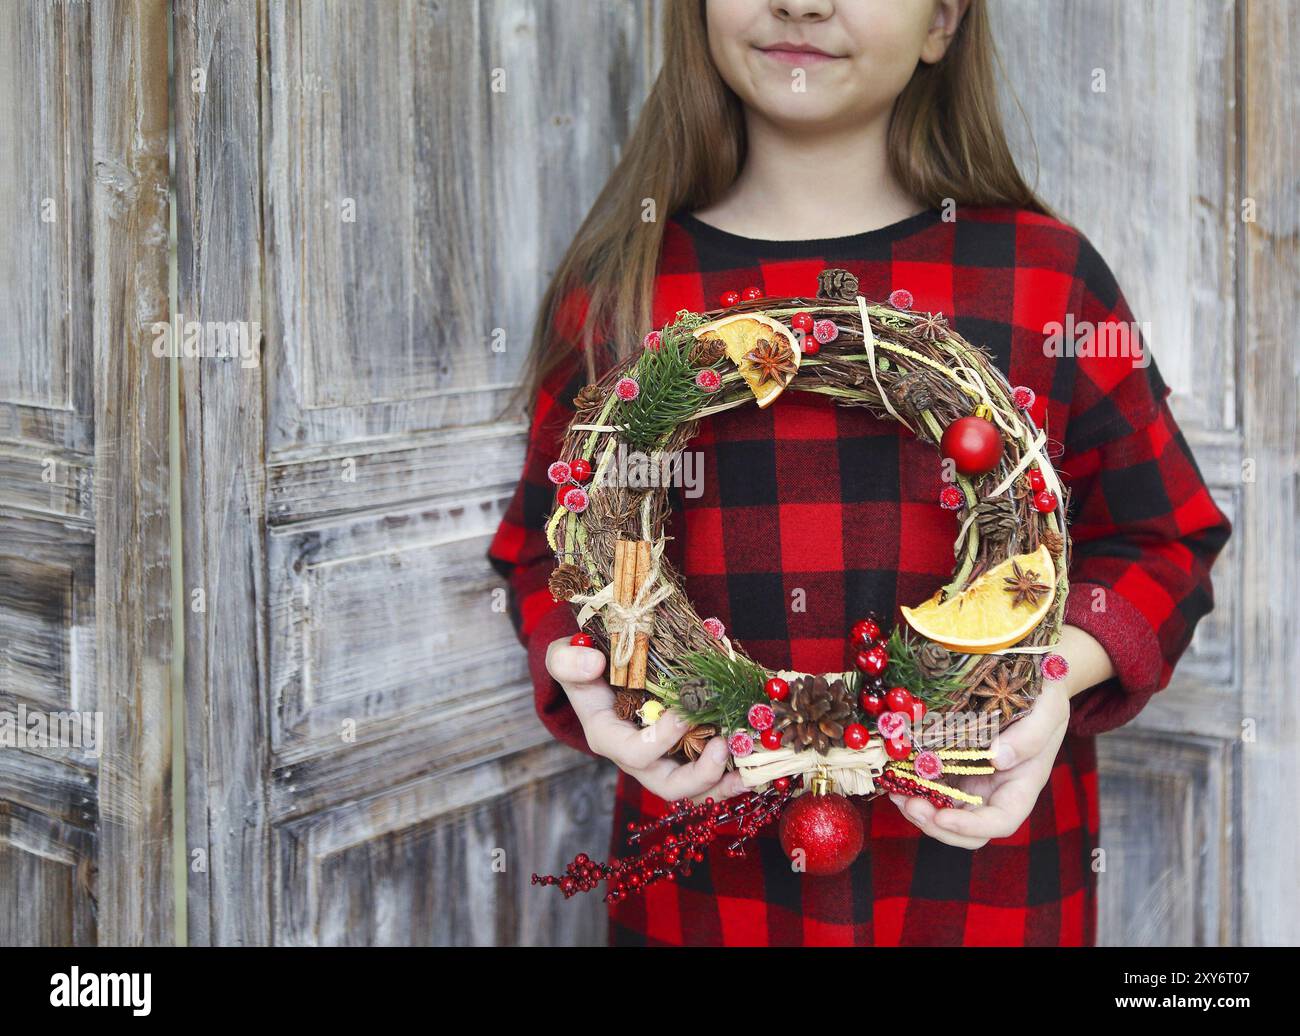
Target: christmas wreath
923	700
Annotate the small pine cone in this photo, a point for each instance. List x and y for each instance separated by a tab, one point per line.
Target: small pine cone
838	285
933	659
912	393
693	695
567	581
694	741
627	703
589	397
707	352
1053	541
996	518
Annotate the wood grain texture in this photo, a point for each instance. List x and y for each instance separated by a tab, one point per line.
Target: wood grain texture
132	535
1146	167
1270	540
219	256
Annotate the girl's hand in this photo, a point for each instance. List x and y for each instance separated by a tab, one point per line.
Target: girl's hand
637	751
1025	753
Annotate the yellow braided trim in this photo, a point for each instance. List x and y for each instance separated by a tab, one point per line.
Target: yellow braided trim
903	350
960	771
963	753
953	793
554	524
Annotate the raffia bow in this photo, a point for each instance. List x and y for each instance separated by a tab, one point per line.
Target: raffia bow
624	621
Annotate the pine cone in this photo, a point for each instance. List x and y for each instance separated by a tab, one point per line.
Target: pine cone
707	352
933	659
693	695
567	581
837	284
912	393
589	397
996	518
815	714
1053	541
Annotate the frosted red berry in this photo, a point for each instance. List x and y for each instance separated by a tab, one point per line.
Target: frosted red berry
627	389
1054	667
951	498
761	717
1023	397
708	380
900	298
928	765
651	341
714	628
892	724
741	744
575	500
825	331
559	472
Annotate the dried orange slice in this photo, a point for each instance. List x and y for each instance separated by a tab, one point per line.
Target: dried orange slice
986	616
740	334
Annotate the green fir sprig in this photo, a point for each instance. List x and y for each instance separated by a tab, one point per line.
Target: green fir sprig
733	685
904	670
669	396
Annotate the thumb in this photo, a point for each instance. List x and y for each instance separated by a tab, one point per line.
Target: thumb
1029	736
574	666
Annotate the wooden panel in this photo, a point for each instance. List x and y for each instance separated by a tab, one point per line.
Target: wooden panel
383	618
1269	529
1146	168
1167	833
45	185
463	196
132	514
46	866
219	257
414	865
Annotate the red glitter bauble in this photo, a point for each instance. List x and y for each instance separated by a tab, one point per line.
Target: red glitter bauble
825	829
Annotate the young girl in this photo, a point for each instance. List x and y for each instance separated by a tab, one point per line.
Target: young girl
782	137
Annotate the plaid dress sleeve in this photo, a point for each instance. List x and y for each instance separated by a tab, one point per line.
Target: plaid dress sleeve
520	554
1145	528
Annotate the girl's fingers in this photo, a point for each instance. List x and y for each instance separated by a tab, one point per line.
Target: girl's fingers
672	781
921	814
1043	728
1005	810
730	785
632	747
578	670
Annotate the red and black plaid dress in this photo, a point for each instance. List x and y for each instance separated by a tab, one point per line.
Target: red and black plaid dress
835	502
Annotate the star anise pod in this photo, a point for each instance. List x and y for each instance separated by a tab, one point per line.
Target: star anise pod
567	581
627	703
1002	692
694	741
1025	585
931	327
771	361
815	714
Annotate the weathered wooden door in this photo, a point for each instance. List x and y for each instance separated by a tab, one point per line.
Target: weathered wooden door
1156	132
85	596
381	186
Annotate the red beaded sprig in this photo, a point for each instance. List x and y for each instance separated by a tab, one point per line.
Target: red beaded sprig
691	828
895	782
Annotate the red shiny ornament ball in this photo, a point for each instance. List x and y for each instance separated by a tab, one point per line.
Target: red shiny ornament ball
899	699
917	710
856	736
580	469
873	660
802	322
771	739
729	298
751	293
777	689
973	444
1045	501
866	632
781	783
810	346
872	704
824	832
582	640
898	748
1036	481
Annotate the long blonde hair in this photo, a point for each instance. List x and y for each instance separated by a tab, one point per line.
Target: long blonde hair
945	142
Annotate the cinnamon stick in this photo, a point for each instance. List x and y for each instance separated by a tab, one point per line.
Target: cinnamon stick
624	576
641	651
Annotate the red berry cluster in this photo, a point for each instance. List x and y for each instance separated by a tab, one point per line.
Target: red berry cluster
893	710
1044	499
893	781
691	828
733	298
568	477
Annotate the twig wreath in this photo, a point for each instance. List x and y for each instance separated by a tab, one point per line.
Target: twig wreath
976	652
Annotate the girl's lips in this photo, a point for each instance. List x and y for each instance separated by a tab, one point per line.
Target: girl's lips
797	57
